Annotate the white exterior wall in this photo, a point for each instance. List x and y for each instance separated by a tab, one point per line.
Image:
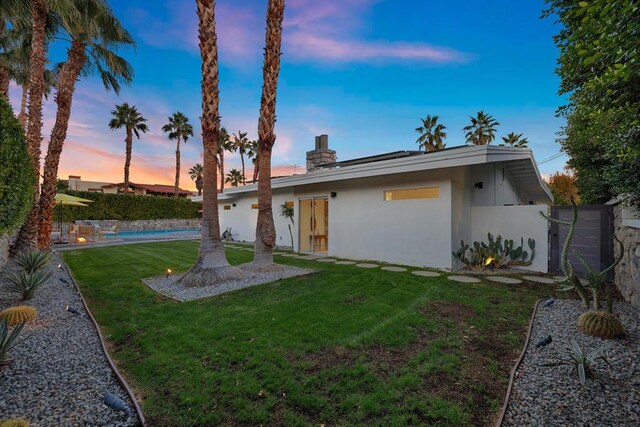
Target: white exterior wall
514	222
363	226
242	218
497	186
461	186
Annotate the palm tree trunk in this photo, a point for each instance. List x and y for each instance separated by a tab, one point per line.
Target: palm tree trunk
39	9
221	189
127	160
22	117
244	181
265	228
175	190
212	265
256	168
64	97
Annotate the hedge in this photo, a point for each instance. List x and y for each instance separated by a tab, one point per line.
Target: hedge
16	172
127	207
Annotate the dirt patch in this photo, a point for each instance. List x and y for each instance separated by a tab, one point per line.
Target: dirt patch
449	310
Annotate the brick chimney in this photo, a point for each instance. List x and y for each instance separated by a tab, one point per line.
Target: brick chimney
321	156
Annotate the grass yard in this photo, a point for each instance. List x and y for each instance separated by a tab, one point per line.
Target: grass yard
344	346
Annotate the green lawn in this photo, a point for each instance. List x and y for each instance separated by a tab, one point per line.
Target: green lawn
344	346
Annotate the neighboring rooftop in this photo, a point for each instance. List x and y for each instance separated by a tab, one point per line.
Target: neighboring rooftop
76	183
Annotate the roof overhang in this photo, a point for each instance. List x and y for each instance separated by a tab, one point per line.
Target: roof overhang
519	162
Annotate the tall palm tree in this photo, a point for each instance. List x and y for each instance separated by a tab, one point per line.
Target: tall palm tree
196	175
96	35
265	228
178	129
482	130
234	177
253	155
515	140
241	145
432	134
212	265
39	10
128	117
224	144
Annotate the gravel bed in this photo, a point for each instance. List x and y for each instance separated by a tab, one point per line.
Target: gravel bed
59	375
168	286
553	396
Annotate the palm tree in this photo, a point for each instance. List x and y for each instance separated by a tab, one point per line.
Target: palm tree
482	130
241	145
234	177
224	144
253	155
128	117
515	140
265	228
96	35
287	211
432	134
212	265
179	129
196	175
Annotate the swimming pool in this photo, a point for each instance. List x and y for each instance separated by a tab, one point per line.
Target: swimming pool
155	234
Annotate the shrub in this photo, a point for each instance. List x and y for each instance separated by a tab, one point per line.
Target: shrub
601	324
497	253
33	260
19	314
8	339
16	173
582	360
26	283
128	207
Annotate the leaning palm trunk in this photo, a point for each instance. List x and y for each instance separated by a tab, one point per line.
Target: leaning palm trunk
175	190
22	116
64	96
265	228
127	160
28	232
212	265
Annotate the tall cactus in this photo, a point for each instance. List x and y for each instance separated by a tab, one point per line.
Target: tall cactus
571	279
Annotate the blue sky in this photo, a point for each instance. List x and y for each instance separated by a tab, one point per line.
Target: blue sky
362	71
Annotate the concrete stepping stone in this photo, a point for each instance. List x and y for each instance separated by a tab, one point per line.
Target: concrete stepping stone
396	269
345	262
425	273
326	260
309	257
540	279
366	265
464	279
503	279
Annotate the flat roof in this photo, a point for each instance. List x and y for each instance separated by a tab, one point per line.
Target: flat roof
519	162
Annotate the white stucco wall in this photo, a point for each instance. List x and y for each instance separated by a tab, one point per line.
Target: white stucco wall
363	226
497	186
514	222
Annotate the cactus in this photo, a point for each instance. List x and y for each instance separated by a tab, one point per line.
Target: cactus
19	314
33	260
601	323
15	422
8	338
496	253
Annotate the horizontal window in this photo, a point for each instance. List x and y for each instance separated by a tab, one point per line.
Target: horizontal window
413	193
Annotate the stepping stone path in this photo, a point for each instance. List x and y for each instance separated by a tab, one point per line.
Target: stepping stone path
502	279
278	253
326	260
540	279
397	269
366	265
309	257
425	273
464	279
345	262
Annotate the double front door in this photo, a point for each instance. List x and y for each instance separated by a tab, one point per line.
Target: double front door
314	225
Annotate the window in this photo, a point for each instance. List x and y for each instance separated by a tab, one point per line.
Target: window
413	193
227	207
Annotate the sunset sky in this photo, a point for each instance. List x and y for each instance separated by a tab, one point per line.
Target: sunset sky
362	71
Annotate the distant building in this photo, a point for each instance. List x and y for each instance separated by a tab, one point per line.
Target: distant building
77	184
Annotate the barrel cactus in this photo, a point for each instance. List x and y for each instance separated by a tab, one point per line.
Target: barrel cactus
601	323
19	314
14	422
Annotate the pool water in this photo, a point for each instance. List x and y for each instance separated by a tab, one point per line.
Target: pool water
138	234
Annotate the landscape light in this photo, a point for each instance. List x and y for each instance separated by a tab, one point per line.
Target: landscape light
168	273
549	302
71	310
544	341
488	261
117	404
63	280
60	266
82	240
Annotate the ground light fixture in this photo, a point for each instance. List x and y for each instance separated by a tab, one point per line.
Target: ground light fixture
71	309
117	404
168	273
544	341
82	240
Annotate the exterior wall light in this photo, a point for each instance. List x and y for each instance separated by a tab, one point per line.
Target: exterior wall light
334	194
